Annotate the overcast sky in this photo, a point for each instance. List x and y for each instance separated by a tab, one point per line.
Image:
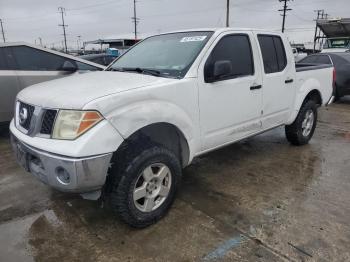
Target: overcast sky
27	20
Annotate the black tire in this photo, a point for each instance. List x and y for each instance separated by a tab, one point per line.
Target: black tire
121	195
294	132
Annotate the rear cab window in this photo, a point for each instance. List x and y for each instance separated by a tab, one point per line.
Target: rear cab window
273	53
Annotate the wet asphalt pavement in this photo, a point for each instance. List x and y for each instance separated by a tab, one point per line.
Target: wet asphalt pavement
258	200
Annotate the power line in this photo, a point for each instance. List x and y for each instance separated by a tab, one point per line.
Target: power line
284	10
2	30
93	5
62	11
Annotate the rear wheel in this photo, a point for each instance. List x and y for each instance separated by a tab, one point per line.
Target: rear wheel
146	186
302	129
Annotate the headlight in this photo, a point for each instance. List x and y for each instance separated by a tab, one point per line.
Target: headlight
70	124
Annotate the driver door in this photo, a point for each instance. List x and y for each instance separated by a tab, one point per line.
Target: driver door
230	104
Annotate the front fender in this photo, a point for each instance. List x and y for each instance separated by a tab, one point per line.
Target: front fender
131	116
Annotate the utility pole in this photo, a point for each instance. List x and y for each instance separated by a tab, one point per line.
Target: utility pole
78	42
284	10
62	11
2	30
227	13
135	20
41	42
320	12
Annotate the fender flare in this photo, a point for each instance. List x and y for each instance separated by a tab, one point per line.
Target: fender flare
306	88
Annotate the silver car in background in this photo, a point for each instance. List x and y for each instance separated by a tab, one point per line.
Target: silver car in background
23	64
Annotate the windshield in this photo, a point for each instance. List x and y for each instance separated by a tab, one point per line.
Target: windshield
168	55
338	43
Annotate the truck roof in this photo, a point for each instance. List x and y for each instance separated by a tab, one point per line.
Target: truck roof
223	29
218	30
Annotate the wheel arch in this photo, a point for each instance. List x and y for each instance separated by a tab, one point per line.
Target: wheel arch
311	94
314	95
164	134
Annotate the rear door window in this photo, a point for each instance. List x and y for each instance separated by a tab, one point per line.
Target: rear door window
273	53
281	53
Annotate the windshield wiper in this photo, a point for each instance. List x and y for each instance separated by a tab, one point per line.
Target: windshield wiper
115	69
152	72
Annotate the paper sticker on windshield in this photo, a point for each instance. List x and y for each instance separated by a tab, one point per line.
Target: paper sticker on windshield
193	38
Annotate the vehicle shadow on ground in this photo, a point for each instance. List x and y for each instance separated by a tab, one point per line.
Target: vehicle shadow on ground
344	100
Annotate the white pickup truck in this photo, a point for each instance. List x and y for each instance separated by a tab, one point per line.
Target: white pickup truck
129	130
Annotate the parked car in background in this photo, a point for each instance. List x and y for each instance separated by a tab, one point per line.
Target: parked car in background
130	129
298	55
23	64
102	59
341	63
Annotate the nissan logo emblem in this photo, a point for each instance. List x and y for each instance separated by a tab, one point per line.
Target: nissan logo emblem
23	115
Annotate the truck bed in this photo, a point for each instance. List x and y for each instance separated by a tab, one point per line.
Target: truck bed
320	77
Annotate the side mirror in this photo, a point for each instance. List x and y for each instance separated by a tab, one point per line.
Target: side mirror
69	66
218	71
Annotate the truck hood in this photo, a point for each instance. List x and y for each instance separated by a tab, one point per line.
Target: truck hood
75	91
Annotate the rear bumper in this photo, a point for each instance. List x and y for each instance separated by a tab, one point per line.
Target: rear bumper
68	174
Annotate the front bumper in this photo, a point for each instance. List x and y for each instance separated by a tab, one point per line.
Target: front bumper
68	174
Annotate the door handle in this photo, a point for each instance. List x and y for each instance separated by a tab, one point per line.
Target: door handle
255	87
288	81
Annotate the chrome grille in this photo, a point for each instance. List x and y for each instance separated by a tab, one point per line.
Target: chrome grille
48	121
25	114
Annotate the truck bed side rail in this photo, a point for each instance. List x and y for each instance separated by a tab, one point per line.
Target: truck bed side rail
299	67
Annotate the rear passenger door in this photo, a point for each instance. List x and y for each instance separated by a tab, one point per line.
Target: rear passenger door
9	87
278	80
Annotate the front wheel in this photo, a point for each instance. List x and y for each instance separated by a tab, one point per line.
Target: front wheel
147	186
302	129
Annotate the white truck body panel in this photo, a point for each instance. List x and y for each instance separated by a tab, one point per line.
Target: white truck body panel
78	90
209	115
